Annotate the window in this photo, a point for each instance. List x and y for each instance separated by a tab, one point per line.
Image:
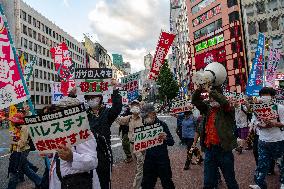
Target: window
250	11
48	64
263	26
44	63
39	37
40	61
30	31
42	99
201	6
48	77
37	99
25	43
45	75
40	74
236	47
32	85
232	3
208	29
33	99
41	87
35	47
43	51
38	25
202	18
45	87
37	86
43	40
272	5
36	73
260	7
30	45
34	22
235	31
46	100
234	16
251	28
29	19
25	30
52	76
24	15
274	24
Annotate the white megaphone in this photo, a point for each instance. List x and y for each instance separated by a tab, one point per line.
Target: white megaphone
214	74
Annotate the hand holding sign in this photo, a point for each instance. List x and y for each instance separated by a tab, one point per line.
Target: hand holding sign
65	153
162	136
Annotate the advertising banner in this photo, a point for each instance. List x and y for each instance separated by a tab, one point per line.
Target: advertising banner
146	137
255	82
164	43
65	127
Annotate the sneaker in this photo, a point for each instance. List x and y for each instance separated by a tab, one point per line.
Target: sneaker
254	187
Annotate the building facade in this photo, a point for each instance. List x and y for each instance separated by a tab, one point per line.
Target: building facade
148	60
266	17
34	34
117	59
216	35
126	68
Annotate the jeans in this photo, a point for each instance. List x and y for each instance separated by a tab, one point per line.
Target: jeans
216	158
266	152
24	168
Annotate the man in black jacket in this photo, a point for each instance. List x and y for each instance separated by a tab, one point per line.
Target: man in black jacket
157	162
101	119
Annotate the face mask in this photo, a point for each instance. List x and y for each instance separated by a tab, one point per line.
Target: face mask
149	120
94	103
265	98
135	109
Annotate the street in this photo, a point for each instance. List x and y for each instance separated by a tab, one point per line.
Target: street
123	173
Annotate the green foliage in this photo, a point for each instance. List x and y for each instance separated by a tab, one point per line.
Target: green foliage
168	85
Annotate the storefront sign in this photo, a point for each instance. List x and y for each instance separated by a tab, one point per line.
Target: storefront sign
206	16
209	43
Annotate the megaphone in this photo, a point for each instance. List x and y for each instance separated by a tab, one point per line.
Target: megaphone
214	74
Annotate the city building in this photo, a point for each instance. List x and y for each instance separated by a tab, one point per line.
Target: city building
117	59
34	34
101	56
126	68
266	17
216	35
90	53
148	60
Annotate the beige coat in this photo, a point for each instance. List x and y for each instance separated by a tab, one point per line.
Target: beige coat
132	123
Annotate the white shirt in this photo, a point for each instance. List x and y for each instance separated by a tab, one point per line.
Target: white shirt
84	160
273	134
241	118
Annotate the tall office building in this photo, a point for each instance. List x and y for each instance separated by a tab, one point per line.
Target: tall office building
148	60
34	34
215	34
117	60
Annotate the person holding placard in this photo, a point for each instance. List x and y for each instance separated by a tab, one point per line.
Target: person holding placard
101	119
271	139
157	162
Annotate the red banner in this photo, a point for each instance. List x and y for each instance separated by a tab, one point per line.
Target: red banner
165	41
64	67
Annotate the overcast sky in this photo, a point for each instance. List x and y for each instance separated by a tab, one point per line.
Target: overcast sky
127	27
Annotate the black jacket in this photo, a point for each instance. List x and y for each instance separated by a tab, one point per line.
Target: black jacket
101	125
161	151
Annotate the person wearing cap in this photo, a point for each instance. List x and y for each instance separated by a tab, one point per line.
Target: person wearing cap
157	162
18	162
101	119
270	142
133	121
217	136
73	167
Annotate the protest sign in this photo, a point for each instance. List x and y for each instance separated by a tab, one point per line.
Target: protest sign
265	111
164	43
124	97
240	97
66	127
56	94
93	81
13	89
279	93
131	85
29	68
255	82
181	106
274	58
146	137
279	101
108	100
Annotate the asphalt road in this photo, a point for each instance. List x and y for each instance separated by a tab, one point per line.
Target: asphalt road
123	174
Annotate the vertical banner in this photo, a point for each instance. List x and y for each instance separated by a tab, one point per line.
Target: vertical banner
256	79
93	81
23	61
64	66
274	58
13	89
164	43
28	71
131	85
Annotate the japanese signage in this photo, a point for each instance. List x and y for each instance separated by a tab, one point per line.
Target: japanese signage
280	101
91	81
29	68
56	94
206	16
146	137
67	127
124	97
265	111
181	106
279	76
255	82
209	43
13	89
280	93
108	100
274	58
165	41
131	84
240	97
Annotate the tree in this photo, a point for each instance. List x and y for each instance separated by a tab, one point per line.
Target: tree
168	89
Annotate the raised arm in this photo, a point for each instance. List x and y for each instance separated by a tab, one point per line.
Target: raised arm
116	108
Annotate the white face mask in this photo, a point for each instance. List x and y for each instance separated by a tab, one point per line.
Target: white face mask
265	98
94	103
135	109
